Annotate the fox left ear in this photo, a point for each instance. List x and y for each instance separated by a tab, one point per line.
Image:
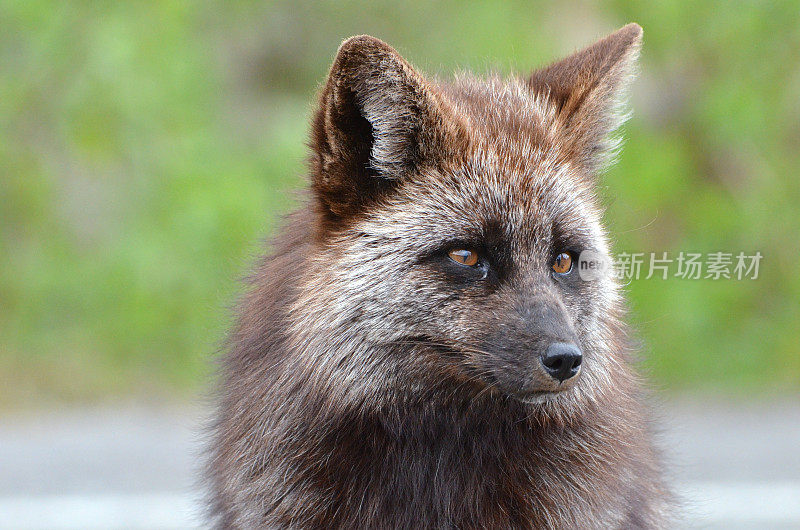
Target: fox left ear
588	89
378	120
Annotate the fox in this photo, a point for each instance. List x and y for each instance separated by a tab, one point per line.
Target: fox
418	349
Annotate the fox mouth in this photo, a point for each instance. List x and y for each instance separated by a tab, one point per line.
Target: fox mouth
539	390
528	397
542	390
537	396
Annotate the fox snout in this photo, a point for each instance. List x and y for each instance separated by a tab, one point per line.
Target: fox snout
535	351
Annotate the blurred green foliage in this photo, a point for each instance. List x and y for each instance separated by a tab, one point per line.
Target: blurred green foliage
146	148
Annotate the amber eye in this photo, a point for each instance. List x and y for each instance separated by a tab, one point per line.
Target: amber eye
563	263
463	256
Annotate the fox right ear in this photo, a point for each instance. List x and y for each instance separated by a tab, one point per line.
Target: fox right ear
587	89
378	119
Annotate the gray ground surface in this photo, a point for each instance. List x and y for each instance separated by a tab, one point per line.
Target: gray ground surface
134	467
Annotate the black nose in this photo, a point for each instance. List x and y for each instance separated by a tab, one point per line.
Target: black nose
562	360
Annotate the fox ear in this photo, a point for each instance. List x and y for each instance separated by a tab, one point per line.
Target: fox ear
377	120
588	89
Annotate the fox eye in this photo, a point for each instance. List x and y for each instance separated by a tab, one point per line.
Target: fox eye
563	263
464	256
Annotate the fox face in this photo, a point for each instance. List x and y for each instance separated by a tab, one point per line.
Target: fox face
449	222
420	349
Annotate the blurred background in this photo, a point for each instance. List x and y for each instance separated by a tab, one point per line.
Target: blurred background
146	149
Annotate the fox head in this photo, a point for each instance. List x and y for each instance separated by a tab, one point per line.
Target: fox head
449	218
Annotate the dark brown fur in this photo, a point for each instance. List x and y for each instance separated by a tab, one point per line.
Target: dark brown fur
368	385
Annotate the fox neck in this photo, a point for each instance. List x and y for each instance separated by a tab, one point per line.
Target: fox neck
450	458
